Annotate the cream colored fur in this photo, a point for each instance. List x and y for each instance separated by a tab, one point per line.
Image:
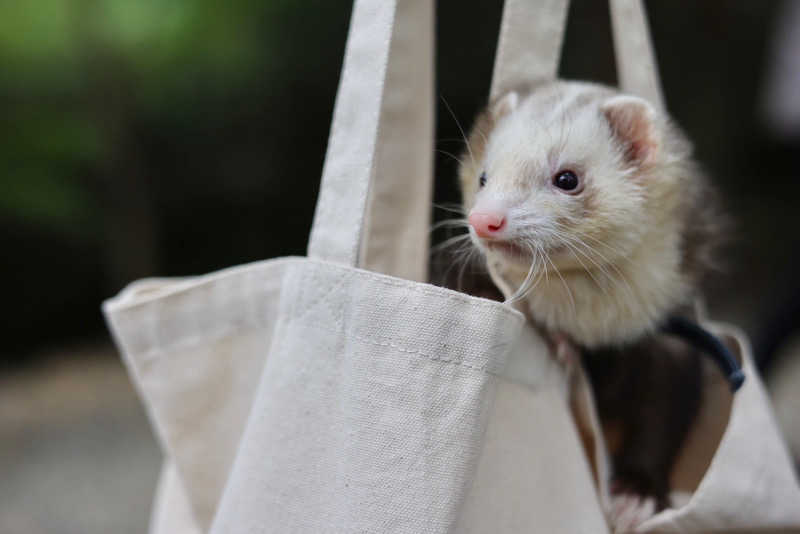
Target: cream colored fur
617	251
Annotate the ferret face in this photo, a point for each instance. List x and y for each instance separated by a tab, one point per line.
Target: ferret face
555	180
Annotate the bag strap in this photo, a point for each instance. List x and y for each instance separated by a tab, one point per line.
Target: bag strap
532	33
637	69
373	209
529	47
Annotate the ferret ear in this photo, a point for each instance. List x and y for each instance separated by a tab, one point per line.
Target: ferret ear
633	122
504	105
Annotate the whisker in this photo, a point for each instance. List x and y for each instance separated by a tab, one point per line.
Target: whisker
528	284
566	286
450	223
460	129
588	271
449	242
620	278
454	208
463	257
544	265
483	136
464	263
615	250
453	156
599	266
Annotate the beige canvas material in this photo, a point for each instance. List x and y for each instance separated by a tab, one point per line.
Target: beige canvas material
532	474
195	349
375	197
311	395
398	218
529	46
302	395
371	407
637	69
532	32
172	512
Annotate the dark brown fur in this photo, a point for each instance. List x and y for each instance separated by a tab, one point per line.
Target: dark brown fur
647	396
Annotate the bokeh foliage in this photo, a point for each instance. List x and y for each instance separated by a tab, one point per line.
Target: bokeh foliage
149	137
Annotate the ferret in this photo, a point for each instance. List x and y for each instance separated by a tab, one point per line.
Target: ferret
594	219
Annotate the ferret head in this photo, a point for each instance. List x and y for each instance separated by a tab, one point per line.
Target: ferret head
567	168
575	177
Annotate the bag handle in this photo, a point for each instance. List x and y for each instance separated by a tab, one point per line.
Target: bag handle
637	69
529	46
532	33
373	209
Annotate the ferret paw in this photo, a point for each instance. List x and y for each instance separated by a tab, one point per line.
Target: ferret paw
629	510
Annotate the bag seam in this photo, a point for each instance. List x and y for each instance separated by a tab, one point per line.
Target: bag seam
432	357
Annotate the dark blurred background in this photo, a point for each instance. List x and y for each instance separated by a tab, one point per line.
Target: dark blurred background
157	138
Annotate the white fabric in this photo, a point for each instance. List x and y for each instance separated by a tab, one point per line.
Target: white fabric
529	46
387	78
195	349
532	471
172	512
371	407
637	71
532	32
398	221
311	395
349	162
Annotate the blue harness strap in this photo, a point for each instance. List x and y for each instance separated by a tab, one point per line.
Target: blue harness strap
708	343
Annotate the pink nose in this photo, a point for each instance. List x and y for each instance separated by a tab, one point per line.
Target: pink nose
487	224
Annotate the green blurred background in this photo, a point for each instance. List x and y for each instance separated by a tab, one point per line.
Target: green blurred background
173	137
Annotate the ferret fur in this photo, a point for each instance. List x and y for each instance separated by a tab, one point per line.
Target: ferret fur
648	223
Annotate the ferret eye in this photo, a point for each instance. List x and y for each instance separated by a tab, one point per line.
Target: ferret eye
482	179
568	181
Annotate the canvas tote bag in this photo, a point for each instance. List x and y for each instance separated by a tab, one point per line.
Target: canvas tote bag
316	395
312	395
